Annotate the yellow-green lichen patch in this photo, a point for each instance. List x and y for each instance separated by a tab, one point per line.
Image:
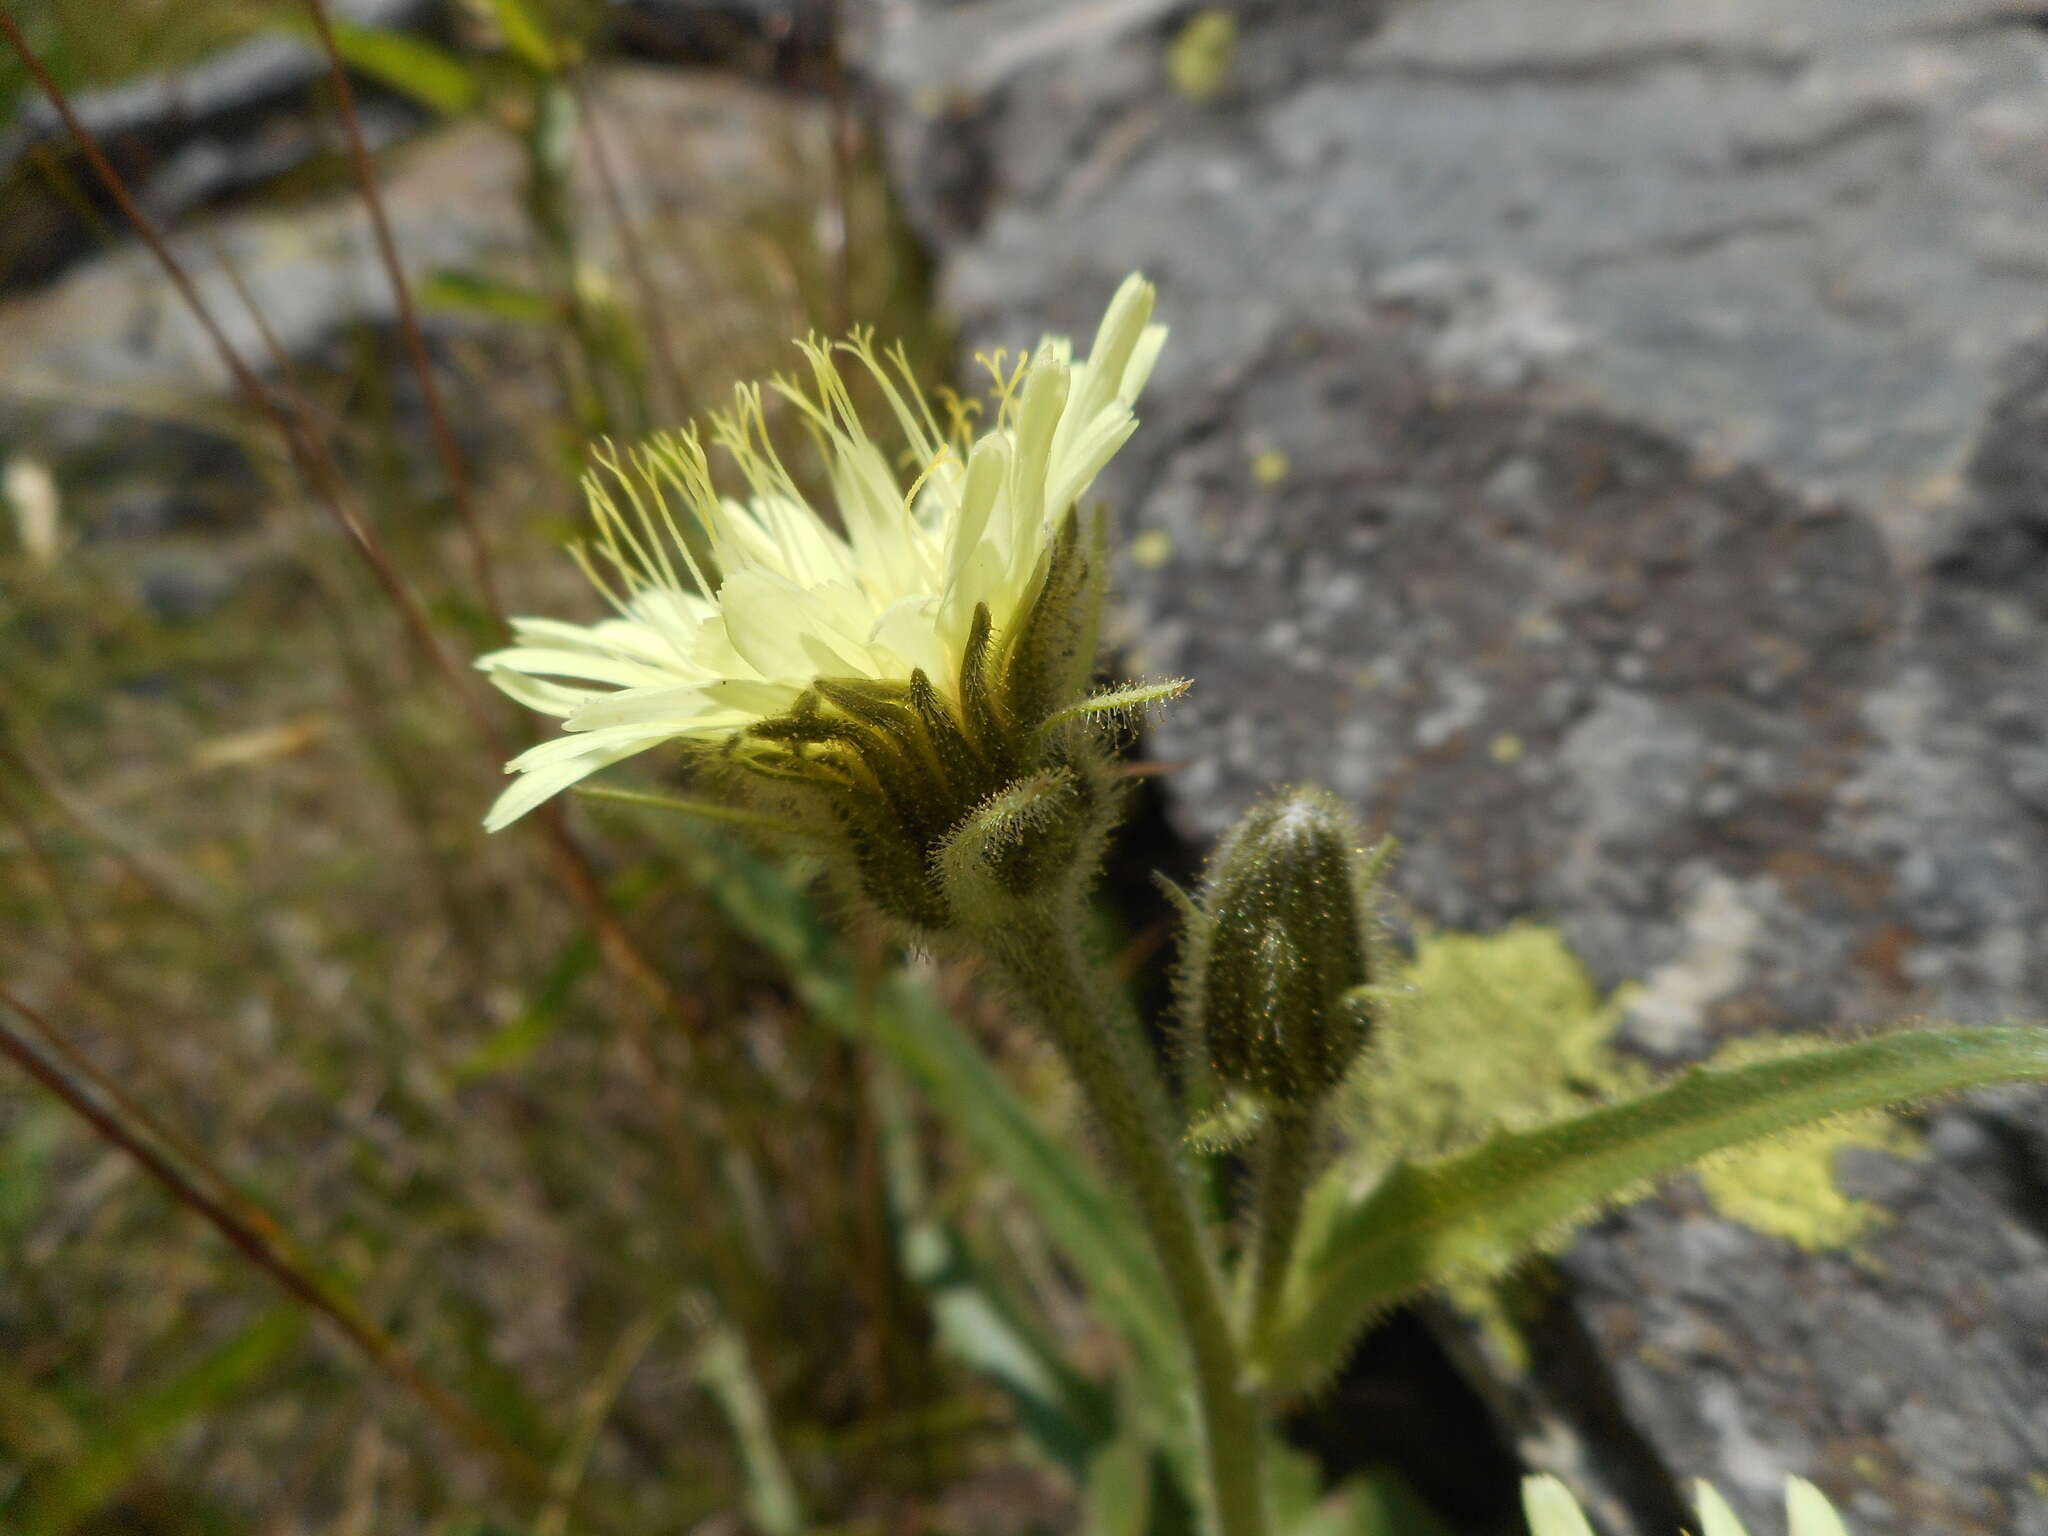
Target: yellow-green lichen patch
1270	467
1151	549
1497	1029
1199	57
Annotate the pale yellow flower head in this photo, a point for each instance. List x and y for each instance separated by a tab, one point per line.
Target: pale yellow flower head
1552	1511
731	608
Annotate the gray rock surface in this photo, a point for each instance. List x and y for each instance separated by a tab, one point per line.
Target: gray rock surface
1603	440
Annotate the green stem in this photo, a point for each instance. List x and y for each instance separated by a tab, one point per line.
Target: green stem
1103	1049
1283	1180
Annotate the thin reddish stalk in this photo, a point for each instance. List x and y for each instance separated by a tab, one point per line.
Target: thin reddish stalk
138	1113
452	463
17	817
91	964
371	717
632	249
265	1249
572	866
89	961
287	375
146	867
318	466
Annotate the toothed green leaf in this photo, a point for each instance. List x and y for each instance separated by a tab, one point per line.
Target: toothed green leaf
1479	1213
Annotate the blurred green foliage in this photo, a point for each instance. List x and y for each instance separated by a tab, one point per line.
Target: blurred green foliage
86	43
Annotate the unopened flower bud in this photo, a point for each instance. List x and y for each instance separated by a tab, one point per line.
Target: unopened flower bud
1280	949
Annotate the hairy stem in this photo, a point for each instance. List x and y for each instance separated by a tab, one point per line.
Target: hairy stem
1100	1042
1283	1180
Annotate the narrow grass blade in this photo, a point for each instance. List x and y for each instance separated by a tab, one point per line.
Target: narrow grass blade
909	1025
126	1438
525	35
512	1044
453	290
1069	1416
1116	1494
772	1500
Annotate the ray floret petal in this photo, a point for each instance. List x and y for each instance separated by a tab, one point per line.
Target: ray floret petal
1552	1511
